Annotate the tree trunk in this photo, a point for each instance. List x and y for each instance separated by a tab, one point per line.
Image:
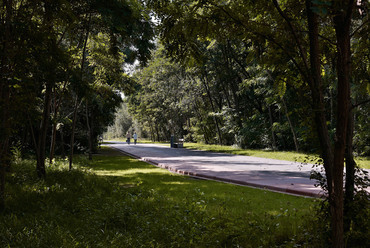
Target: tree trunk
89	131
63	153
41	145
55	122
322	130
272	130
4	141
5	125
214	110
54	129
350	174
73	133
291	126
76	100
342	23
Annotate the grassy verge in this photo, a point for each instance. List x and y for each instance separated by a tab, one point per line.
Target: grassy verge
363	162
116	201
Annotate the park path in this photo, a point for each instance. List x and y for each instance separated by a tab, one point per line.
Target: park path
271	174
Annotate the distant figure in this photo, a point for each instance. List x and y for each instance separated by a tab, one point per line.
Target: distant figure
135	138
128	136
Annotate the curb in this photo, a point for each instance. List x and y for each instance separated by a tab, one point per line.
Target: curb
214	178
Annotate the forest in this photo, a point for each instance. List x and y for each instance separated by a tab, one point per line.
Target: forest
275	75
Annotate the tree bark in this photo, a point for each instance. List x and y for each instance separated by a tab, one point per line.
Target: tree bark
342	23
315	84
332	159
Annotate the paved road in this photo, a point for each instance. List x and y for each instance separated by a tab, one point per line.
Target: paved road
277	175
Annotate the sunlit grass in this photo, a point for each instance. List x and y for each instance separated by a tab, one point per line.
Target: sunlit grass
117	201
238	199
362	162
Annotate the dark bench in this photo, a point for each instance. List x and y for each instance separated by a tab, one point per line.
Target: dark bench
177	144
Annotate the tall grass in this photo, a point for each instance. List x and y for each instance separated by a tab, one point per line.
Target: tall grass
116	201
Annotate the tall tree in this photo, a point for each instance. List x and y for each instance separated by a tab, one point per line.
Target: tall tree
280	27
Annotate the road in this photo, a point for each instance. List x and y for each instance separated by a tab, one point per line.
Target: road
271	174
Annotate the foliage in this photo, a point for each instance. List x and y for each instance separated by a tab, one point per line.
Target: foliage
64	57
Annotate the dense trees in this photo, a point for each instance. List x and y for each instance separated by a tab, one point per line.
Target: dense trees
275	72
289	75
62	70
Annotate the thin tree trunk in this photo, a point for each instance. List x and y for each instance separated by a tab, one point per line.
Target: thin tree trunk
291	126
201	120
213	109
5	125
272	129
89	132
55	123
63	153
53	130
157	131
76	99
40	167
4	143
350	174
75	108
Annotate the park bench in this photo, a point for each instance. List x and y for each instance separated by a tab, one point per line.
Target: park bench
179	143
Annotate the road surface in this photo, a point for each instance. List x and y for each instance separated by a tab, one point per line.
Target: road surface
277	175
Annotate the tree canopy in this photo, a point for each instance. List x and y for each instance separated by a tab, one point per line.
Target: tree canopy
62	70
271	74
281	75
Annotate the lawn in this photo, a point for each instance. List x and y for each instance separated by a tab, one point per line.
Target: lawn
363	162
117	201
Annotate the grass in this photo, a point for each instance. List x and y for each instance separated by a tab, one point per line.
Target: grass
362	162
117	201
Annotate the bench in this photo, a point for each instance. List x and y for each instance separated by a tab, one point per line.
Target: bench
177	144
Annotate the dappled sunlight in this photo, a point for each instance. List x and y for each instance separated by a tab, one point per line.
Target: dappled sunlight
176	183
130	172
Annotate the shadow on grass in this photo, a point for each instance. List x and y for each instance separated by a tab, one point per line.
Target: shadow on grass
148	203
130	171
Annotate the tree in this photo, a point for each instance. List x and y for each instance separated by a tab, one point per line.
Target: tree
299	34
44	48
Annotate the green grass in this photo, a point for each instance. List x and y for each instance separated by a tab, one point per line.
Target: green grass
117	201
363	162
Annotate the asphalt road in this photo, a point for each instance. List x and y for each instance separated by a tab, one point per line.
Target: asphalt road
271	174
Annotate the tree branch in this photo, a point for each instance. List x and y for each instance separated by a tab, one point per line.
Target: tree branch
360	103
292	29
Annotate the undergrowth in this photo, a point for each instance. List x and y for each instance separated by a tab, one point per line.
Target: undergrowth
80	208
